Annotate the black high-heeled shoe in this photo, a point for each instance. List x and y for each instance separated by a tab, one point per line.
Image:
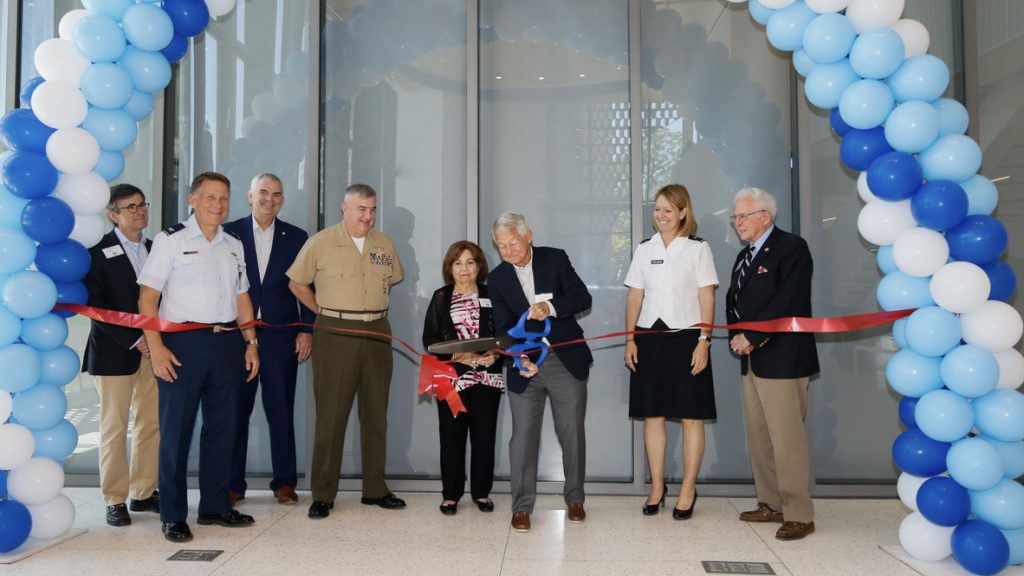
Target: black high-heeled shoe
652	509
678	514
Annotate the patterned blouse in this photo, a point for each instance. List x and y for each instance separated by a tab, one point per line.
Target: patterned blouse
466	318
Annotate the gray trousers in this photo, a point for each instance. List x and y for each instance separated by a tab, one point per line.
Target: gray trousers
569	409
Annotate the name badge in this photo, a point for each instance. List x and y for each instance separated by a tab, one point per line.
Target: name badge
190	252
485	302
112	251
657	261
542	298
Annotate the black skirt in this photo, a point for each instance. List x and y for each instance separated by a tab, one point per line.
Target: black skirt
662	385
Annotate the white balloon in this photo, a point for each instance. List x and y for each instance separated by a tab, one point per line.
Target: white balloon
920	252
85	194
66	28
915	37
926	541
907	487
58	59
776	4
16	445
1011	369
219	8
73	150
88	230
59	104
960	287
826	6
868	14
52	518
881	222
5	405
35	482
863	190
995	326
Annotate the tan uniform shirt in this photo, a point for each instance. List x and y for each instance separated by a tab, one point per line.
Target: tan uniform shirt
343	278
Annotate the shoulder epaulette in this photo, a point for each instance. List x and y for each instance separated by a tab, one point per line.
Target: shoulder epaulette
696	238
233	234
645	240
174	228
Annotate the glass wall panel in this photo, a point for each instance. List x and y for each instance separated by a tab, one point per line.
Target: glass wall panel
394	117
716	118
7	91
555	146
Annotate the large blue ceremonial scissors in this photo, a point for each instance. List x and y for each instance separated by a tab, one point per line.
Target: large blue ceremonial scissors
516	343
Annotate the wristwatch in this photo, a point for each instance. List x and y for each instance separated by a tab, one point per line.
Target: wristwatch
252	342
705	338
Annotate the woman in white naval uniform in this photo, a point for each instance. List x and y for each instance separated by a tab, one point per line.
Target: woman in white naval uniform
672	283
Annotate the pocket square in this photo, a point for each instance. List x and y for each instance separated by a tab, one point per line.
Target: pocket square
761	269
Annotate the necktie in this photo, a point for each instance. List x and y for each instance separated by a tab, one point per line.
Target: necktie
742	274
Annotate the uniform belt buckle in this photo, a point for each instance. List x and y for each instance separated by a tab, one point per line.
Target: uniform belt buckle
369	316
217	328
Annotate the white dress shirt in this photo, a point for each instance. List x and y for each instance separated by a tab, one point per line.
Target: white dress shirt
264	241
670	278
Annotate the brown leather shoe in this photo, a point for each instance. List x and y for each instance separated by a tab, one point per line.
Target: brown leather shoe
521	521
235	496
794	530
764	513
576	514
286	495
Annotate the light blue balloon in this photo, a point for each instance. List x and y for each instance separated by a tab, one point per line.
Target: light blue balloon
912	127
877	53
115	130
920	78
982	196
17	250
60	366
29	294
759	12
828	38
899	332
139	106
10	207
826	83
900	291
47	332
56	443
884	258
911	374
1000	415
1002	505
20	366
865	104
40	407
974	464
1015	538
106	85
954	157
113	8
786	26
953	117
944	415
803	63
10	327
1011	454
148	27
933	331
150	71
99	38
970	371
110	166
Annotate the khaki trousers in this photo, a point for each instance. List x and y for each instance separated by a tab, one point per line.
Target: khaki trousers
774	410
119	395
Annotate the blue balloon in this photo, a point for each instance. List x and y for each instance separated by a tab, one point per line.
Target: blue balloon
147	26
826	83
899	333
828	38
803	63
190	17
25	97
40	407
982	195
1000	415
56	443
21	367
978	239
1002	505
939	205
913	375
759	12
944	415
1011	454
115	130
17	250
10	328
1016	541
29	294
885	260
970	371
912	127
10	208
3	485
112	8
21	130
47	219
922	78
918	454
99	38
15	525
71	293
900	291
46	332
953	117
954	157
139	106
1002	279
859	148
110	166
933	331
29	175
150	71
906	410
943	502
60	366
64	261
176	49
877	53
894	176
866	104
106	85
980	547
836	122
974	464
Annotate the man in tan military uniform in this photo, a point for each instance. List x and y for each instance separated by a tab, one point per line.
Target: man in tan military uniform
352	266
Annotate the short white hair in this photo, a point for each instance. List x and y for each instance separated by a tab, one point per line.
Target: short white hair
264	176
510	221
761	197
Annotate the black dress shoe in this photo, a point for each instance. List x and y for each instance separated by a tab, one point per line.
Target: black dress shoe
320	509
151	504
652	509
678	514
449	509
389	501
117	515
232	519
485	504
176	531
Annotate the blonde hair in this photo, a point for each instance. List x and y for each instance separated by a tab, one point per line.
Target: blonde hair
678	196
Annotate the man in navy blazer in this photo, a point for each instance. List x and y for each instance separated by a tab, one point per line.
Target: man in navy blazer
118	360
270	247
771	279
541	282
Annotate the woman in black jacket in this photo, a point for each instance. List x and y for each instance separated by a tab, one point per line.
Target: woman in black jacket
460	310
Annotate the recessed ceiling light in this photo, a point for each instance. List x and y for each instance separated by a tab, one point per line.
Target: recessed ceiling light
497	77
540	77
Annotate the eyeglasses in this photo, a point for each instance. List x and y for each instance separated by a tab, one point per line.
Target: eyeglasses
133	208
741	218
